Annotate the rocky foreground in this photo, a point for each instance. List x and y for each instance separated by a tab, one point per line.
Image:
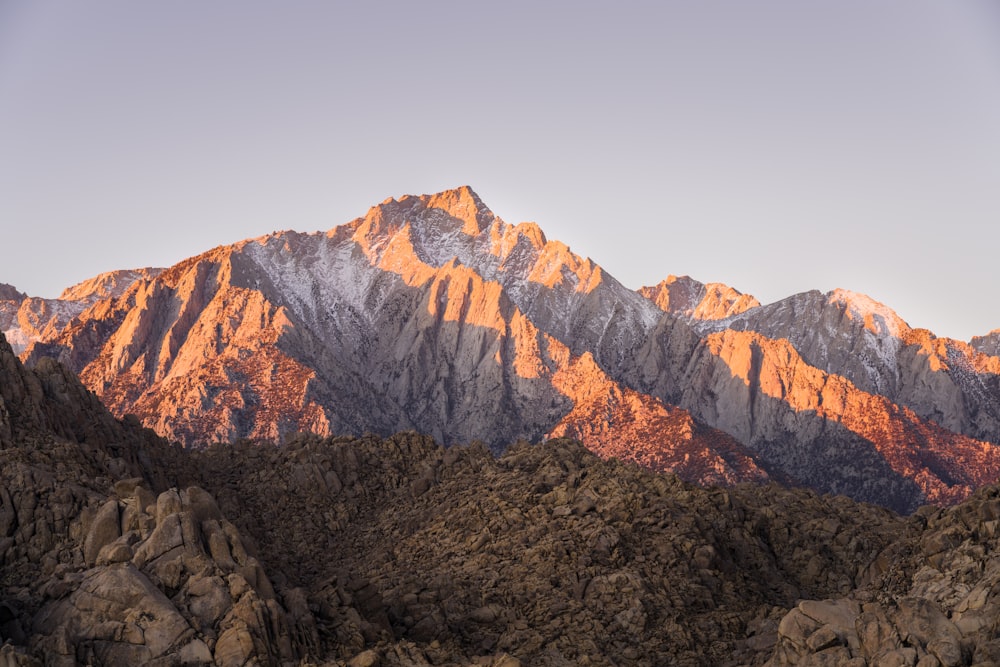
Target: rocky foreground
118	549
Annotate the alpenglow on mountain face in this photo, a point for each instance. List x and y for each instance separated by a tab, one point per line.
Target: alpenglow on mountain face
431	313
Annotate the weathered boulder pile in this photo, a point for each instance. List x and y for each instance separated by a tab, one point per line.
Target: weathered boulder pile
102	561
410	553
930	601
166	578
547	553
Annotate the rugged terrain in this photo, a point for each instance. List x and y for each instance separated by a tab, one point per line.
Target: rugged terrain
431	313
117	548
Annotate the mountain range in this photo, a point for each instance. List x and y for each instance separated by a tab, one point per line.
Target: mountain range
430	313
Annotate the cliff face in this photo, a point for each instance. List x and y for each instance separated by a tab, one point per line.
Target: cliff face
431	313
815	425
851	335
988	344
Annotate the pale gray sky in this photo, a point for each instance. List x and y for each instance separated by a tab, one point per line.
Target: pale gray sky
775	145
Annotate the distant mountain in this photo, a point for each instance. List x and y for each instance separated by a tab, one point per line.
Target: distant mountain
947	381
689	298
10	293
988	344
24	319
431	313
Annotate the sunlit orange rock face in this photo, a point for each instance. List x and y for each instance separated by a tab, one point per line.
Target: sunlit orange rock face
27	319
689	298
621	423
946	466
195	356
431	313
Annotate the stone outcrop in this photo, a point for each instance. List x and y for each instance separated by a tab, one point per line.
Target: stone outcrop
166	580
934	600
988	344
11	293
99	569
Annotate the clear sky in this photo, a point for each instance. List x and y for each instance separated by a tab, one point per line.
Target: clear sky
774	145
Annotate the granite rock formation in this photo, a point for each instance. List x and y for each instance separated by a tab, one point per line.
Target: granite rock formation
103	561
930	600
988	344
429	313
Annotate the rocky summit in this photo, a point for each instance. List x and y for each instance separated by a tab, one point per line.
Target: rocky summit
118	548
430	313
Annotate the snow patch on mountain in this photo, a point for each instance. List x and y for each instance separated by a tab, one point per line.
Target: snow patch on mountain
555	287
318	277
18	340
877	317
111	284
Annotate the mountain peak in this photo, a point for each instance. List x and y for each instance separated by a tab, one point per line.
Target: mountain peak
11	293
532	232
690	298
430	312
988	344
461	204
446	216
109	284
878	317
